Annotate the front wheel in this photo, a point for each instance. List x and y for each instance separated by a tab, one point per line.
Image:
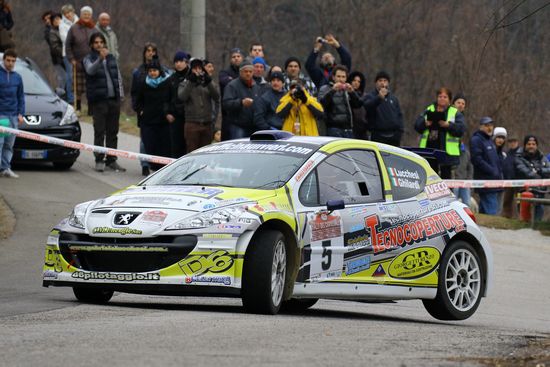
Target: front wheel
264	273
460	284
91	295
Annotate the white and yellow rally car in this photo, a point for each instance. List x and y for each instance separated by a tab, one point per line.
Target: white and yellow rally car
280	221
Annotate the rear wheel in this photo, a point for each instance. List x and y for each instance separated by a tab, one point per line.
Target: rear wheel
90	295
63	166
460	284
296	305
264	273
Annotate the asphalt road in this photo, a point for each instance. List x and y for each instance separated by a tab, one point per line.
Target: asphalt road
47	327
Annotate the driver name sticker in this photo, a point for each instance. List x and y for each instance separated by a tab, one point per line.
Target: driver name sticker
327	247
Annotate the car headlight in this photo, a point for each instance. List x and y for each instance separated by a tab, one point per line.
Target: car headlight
69	117
76	219
210	218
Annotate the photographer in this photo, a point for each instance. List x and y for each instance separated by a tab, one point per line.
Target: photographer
338	98
197	93
299	111
320	74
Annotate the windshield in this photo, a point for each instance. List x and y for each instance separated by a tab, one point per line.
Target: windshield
32	82
265	165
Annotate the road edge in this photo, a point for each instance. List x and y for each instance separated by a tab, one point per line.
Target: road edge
7	220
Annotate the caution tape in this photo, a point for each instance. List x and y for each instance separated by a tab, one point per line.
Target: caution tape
86	147
474	184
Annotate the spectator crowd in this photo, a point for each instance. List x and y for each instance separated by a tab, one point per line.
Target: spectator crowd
178	104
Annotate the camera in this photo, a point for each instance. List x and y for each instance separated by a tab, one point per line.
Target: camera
322	40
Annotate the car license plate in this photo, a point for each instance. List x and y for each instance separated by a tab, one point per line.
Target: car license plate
34	154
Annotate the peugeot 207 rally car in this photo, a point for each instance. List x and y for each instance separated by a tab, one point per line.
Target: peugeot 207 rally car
280	221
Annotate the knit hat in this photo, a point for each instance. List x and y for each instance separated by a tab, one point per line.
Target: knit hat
195	61
181	56
291	59
86	9
459	95
486	120
382	75
277	75
259	60
236	50
500	131
154	64
530	137
245	65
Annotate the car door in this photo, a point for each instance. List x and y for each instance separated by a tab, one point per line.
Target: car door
336	243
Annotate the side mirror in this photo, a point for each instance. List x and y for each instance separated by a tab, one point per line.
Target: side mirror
333	205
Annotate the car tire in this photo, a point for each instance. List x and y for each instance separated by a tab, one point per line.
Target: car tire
460	284
297	305
63	166
91	295
264	273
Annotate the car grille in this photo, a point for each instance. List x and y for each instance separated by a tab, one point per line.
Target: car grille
133	255
68	133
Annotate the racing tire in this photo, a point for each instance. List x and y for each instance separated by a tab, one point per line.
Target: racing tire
90	295
264	273
298	305
63	166
460	284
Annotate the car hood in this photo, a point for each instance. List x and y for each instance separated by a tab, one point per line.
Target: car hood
150	209
43	111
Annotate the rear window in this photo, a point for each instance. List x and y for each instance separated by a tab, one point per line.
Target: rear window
407	178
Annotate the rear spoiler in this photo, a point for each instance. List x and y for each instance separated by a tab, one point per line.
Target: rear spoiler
430	154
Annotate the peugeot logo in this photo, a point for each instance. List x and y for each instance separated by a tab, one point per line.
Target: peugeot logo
123	219
33	119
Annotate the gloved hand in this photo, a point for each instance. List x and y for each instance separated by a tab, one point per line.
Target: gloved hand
206	80
193	78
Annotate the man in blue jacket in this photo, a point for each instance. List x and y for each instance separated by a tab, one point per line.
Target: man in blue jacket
487	164
12	109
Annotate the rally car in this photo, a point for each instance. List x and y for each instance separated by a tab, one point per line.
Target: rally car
280	221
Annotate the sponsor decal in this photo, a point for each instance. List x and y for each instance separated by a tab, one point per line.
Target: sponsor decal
357	227
357	265
226	280
417	214
120	277
149	200
217	262
256	148
424	202
404	178
154	216
387	207
219	236
414	263
208	206
202	191
121	231
245	220
326	275
437	190
48	274
125	248
230	227
325	226
32	119
379	272
304	170
359	241
124	218
53	259
410	232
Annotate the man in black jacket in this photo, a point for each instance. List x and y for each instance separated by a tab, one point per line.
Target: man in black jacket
177	135
226	76
338	98
265	107
56	52
237	102
384	116
103	91
531	164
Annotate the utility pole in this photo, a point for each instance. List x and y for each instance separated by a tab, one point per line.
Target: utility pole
193	27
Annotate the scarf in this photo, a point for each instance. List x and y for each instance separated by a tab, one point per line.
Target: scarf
154	83
90	24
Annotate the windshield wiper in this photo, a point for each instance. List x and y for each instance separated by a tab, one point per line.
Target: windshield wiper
193	172
269	183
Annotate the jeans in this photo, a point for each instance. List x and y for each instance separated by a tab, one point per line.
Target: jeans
237	132
340	133
6	144
68	80
142	150
463	193
488	203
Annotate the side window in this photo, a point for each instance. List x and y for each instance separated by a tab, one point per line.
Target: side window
407	177
309	191
352	176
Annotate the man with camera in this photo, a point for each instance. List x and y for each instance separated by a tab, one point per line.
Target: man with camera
384	116
338	98
299	111
197	93
320	74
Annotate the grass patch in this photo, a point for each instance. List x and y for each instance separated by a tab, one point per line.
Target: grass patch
493	221
7	220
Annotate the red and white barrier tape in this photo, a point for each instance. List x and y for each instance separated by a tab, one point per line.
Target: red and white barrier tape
163	160
86	147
